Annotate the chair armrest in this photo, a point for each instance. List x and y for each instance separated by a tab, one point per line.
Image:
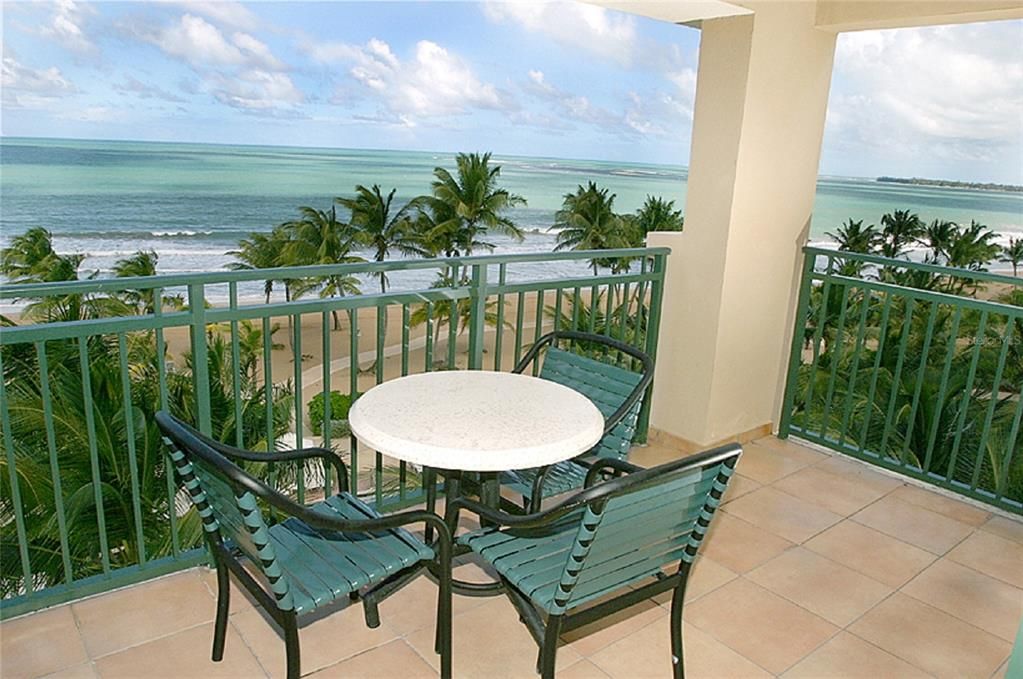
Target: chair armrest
326	455
597	467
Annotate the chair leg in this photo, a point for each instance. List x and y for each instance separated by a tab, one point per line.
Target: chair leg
677	663
443	642
292	648
430	484
223	608
549	650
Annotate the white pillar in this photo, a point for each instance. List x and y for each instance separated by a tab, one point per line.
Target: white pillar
761	98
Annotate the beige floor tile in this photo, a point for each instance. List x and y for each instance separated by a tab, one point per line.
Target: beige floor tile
489	641
829	589
872	553
41	643
993	555
936	502
115	621
601	634
765	628
653	455
846	656
990	604
738	486
583	669
766	464
647	653
914	524
415	606
240	597
738	545
784	515
83	671
836	493
792	449
393	659
931	639
862	472
327	640
706	576
184	654
1010	529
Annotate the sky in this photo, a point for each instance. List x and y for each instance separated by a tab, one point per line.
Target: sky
560	79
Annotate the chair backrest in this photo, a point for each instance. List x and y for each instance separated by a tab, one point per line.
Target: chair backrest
632	527
229	512
616	391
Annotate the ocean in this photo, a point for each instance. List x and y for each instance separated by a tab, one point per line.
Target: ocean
191	203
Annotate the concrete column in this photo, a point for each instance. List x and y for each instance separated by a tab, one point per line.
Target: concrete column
761	97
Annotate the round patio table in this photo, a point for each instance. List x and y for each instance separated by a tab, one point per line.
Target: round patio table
476	421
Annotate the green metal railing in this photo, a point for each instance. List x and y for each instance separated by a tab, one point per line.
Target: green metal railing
914	367
88	503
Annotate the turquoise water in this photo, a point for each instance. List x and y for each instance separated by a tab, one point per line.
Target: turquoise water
192	202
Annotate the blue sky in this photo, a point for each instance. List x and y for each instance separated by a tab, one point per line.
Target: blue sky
557	79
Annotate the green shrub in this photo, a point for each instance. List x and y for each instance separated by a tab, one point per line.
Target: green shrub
339	406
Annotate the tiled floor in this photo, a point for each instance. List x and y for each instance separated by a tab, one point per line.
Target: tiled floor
817	566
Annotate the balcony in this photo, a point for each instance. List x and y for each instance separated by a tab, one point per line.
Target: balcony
817	566
819	563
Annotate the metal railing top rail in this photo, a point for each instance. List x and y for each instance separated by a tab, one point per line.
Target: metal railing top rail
26	290
919	293
914	266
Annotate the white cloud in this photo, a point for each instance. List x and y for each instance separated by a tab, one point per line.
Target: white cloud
224	12
572	106
578	25
132	85
65	26
433	82
203	45
236	68
26	87
952	92
255	90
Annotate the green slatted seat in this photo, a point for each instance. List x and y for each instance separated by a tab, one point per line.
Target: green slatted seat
628	538
339	549
322	566
617	393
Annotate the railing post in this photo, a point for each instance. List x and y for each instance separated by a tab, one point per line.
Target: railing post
477	315
805	285
652	335
200	364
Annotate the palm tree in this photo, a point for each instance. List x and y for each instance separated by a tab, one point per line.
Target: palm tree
476	205
319	238
898	230
971	247
852	236
30	258
378	228
142	263
587	221
262	251
938	236
658	214
1013	254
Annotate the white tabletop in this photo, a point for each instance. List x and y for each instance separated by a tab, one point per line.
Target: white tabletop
476	420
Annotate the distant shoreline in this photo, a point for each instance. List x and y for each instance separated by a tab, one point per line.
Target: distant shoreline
952	184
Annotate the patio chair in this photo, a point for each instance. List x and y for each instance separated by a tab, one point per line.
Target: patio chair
335	550
602	542
617	393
